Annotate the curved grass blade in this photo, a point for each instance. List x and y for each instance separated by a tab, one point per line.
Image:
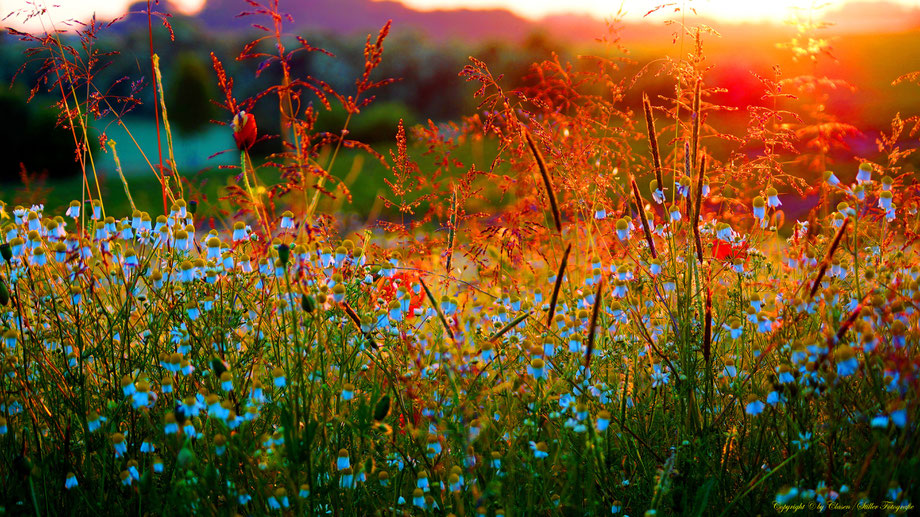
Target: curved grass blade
541	164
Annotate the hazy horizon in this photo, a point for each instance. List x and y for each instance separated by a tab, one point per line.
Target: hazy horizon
13	12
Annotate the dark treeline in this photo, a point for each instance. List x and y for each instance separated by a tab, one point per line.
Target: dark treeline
428	84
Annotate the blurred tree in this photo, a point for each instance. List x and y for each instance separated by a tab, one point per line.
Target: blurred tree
30	138
427	72
376	122
189	98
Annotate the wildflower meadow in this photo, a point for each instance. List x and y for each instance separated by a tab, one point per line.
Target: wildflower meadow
612	313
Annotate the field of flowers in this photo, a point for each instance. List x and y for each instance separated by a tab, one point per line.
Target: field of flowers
637	330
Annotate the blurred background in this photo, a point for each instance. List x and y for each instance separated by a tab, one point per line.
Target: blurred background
872	43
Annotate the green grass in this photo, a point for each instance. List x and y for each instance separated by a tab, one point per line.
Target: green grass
207	181
293	374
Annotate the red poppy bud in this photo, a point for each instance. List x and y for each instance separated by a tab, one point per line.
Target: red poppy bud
244	130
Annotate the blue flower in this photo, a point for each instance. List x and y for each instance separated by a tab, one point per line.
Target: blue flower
786	495
539	450
772	198
343	462
847	363
754	406
675	213
759	207
804	441
880	421
864	174
899	417
603	421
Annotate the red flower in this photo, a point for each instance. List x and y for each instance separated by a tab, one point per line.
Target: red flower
244	130
722	250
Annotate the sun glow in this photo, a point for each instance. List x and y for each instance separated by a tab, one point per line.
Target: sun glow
19	13
723	10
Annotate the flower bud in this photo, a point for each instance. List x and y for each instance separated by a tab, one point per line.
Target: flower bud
307	303
284	253
244	130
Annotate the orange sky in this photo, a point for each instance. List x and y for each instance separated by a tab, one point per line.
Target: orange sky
724	10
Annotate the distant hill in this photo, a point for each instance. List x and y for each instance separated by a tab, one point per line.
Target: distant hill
363	16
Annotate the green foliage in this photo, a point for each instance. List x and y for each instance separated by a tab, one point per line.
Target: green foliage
374	124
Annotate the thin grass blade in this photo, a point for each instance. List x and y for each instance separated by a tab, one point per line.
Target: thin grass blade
640	207
557	286
592	329
451	232
696	209
436	308
827	259
652	139
353	316
513	323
